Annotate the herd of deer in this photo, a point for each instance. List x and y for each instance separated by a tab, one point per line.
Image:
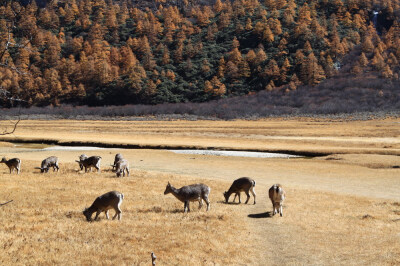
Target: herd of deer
186	194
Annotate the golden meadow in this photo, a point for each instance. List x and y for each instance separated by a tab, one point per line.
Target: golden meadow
340	206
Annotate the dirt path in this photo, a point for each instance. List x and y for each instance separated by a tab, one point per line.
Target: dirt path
343	193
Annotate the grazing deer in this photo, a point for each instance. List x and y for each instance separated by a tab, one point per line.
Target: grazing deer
12	164
245	184
52	161
89	162
277	196
109	200
117	158
121	166
196	192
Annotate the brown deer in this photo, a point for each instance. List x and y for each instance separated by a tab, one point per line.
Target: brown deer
277	196
117	158
195	192
12	164
51	161
89	162
245	184
121	166
109	200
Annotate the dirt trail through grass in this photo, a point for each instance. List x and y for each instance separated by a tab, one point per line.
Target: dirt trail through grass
323	215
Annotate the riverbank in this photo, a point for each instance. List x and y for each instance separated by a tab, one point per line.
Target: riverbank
306	136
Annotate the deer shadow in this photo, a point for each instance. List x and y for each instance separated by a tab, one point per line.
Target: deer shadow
228	203
260	215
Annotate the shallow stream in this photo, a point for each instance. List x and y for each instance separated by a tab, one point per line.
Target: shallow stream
48	147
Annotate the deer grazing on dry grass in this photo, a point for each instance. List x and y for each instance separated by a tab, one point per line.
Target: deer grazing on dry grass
117	158
89	162
51	161
13	164
245	184
277	196
109	200
121	166
195	192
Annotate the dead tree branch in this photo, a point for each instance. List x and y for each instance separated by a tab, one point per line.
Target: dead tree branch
1	204
14	128
4	62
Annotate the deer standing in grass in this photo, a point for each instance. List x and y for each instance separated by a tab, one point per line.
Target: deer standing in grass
121	166
245	184
195	192
51	161
89	162
277	196
109	200
13	164
117	158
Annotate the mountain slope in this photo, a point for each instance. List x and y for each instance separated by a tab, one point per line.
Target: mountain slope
130	52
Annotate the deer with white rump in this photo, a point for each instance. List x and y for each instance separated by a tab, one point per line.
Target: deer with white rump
12	164
277	196
117	158
195	192
51	161
89	162
103	203
121	166
245	184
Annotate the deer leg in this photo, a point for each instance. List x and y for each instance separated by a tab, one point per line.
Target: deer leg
254	194
127	170
97	215
187	206
107	215
207	202
118	213
239	197
98	167
248	196
280	210
234	197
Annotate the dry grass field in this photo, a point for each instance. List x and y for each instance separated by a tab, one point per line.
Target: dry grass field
296	135
45	225
342	208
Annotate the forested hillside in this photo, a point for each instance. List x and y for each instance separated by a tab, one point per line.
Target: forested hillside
104	52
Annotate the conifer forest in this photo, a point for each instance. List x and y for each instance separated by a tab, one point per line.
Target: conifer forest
110	52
